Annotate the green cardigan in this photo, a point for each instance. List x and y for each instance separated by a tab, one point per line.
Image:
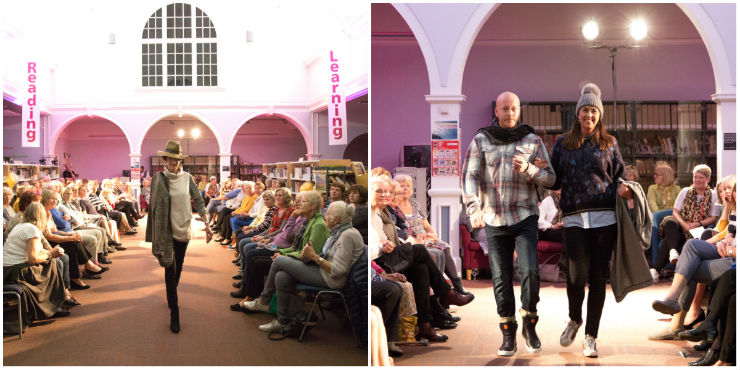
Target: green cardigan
316	232
158	225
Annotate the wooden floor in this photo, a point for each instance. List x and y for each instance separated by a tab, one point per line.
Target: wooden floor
622	334
124	320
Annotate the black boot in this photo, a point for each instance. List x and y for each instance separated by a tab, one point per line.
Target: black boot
457	285
708	360
508	346
705	330
175	319
531	341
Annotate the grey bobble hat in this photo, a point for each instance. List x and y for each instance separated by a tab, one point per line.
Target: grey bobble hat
590	95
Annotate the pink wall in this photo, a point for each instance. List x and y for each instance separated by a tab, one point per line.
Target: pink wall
12	142
98	148
552	73
268	140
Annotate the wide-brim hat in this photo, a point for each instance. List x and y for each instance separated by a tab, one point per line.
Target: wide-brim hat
172	150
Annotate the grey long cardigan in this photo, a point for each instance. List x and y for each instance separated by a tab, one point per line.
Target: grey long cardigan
630	270
160	232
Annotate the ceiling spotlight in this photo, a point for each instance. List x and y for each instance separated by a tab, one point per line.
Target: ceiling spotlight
180	133
590	30
195	133
638	29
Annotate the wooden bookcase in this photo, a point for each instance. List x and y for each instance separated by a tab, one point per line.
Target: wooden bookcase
319	172
680	133
204	165
26	172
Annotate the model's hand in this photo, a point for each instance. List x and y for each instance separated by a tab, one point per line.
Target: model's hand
624	191
476	219
209	234
388	247
540	163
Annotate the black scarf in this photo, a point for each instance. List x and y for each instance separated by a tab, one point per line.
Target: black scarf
503	136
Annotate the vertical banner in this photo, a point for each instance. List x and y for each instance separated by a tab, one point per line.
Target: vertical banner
337	106
445	149
30	114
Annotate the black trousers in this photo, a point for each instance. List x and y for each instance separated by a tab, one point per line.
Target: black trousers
172	273
552	235
722	313
589	252
78	255
673	238
117	217
423	274
386	295
259	267
224	226
129	210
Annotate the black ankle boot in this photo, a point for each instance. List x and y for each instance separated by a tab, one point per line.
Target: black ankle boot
458	287
531	341
175	319
709	359
508	346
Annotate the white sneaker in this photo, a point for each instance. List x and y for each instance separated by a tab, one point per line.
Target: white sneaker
569	334
673	257
256	305
272	327
656	276
589	347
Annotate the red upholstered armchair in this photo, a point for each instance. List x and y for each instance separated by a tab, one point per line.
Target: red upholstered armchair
473	256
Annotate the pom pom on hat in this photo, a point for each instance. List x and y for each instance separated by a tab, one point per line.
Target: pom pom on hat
590	95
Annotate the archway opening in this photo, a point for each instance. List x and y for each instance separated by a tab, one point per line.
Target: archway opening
198	142
97	148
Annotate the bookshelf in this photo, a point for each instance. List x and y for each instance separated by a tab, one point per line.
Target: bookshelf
24	172
204	165
680	133
244	170
320	172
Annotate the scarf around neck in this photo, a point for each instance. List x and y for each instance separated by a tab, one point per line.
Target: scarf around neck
503	136
333	237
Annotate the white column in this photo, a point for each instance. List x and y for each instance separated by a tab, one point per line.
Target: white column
314	137
135	164
445	190
46	143
726	123
225	163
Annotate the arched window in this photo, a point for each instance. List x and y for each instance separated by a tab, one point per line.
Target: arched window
178	46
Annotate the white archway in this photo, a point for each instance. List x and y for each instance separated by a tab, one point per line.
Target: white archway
209	124
294	121
55	135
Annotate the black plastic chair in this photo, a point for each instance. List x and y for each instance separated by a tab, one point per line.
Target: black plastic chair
15	290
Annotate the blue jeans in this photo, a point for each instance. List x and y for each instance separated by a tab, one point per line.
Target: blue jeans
655	236
237	223
502	240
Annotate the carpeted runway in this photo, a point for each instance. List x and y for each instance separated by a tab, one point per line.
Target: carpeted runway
124	320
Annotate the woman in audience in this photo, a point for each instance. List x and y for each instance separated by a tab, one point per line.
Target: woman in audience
263	231
411	260
701	261
266	246
243	202
118	201
91	239
246	213
212	190
8	211
26	263
104	208
83	205
661	197
550	223
229	190
692	209
358	198
423	233
327	268
77	222
146	191
168	224
261	222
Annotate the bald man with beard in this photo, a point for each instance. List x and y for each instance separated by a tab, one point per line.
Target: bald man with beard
499	179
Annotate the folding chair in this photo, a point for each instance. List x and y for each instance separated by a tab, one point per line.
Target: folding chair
15	290
318	292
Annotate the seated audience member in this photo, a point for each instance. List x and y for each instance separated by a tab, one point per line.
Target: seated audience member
246	213
423	233
27	264
358	198
550	223
394	296
257	258
83	205
336	193
262	220
26	197
701	261
402	228
693	209
128	195
91	240
719	324
661	198
146	193
119	201
243	201
215	205
379	346
411	260
476	234
262	233
326	266
77	222
104	208
8	211
212	190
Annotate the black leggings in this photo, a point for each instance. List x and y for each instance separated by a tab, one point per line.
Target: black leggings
589	252
129	210
259	267
172	273
224	226
78	255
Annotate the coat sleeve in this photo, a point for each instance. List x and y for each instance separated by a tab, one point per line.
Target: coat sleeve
200	205
541	176
555	163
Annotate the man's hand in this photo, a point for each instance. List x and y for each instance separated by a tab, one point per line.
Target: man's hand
476	219
540	163
520	165
557	226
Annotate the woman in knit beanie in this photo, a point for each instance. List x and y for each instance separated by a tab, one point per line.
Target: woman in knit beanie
587	164
168	224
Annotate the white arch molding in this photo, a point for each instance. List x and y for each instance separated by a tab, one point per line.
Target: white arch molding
55	134
208	123
294	121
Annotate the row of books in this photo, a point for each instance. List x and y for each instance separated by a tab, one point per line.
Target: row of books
646	167
678	116
543	117
302	173
669	145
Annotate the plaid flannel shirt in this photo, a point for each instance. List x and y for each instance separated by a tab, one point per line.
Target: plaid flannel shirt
490	183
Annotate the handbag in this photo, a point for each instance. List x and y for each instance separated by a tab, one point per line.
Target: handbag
397	260
551	272
294	328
